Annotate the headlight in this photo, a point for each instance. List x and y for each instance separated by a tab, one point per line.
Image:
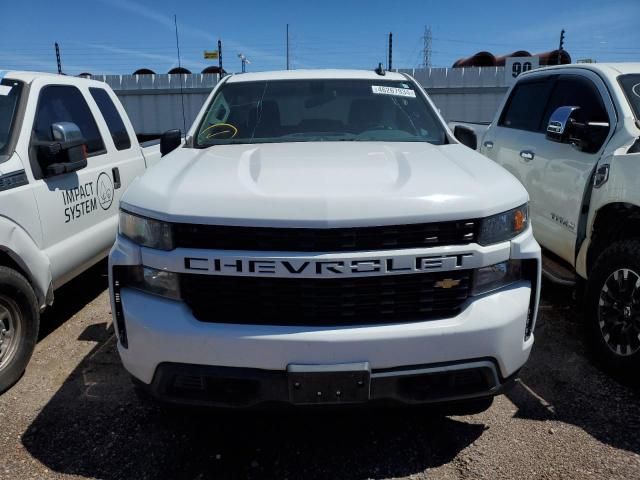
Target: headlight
493	277
504	226
151	280
146	231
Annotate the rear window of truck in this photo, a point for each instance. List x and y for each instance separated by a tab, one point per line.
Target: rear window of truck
113	119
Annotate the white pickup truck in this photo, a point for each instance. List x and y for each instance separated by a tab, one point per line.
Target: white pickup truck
322	238
67	152
571	135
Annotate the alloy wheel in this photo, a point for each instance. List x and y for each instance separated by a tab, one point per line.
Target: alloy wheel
619	312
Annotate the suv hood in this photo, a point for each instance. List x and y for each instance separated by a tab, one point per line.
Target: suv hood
323	184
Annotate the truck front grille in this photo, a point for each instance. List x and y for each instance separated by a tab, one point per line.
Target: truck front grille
418	235
325	302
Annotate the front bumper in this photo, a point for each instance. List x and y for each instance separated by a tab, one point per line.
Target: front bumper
167	344
209	386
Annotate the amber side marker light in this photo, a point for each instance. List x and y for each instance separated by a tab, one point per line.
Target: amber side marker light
519	220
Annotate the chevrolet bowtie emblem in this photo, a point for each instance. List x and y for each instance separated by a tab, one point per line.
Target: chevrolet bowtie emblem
447	283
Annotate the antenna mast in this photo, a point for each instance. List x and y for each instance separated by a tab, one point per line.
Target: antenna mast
390	62
184	120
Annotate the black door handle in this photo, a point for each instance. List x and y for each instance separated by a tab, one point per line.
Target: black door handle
116	177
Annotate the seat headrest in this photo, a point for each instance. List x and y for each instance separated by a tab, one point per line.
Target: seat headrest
364	112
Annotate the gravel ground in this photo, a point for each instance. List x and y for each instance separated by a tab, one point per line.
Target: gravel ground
74	415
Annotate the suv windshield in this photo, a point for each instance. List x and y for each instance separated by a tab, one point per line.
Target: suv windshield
631	86
319	110
9	96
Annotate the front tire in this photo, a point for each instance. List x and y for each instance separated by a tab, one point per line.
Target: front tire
19	323
613	308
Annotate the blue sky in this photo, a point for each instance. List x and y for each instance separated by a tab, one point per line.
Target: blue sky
119	36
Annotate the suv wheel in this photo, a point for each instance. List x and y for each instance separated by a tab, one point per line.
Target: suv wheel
19	321
613	307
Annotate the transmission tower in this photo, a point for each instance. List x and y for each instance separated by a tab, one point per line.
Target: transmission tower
426	48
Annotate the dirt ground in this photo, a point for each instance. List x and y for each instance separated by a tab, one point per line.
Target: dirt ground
74	415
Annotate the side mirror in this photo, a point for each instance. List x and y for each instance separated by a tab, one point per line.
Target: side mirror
169	141
561	123
565	126
67	153
466	136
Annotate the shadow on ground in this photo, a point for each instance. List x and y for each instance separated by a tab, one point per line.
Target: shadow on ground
561	383
73	297
94	425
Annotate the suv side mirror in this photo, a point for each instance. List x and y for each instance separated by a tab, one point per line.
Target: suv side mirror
564	127
169	141
561	124
67	153
466	136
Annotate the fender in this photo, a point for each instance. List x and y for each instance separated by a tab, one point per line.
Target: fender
17	243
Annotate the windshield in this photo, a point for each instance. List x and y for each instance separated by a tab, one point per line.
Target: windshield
319	110
9	95
631	86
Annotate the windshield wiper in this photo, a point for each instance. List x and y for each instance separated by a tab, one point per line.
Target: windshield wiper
319	135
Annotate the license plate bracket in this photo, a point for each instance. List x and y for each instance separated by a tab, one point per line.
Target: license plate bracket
329	384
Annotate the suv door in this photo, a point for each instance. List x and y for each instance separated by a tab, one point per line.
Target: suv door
561	173
519	124
77	209
558	175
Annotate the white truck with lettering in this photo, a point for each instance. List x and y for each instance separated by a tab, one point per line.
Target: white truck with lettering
322	238
571	135
67	152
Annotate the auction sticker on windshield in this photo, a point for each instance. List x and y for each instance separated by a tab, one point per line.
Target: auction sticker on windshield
398	92
5	90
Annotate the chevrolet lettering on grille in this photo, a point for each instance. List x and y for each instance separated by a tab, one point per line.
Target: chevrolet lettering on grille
303	267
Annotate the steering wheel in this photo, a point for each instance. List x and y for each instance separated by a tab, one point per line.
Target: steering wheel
218	130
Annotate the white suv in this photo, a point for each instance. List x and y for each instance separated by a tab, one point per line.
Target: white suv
571	135
324	239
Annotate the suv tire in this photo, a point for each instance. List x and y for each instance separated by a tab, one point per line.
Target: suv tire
613	308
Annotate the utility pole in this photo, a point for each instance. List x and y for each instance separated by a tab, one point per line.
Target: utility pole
426	47
561	47
287	46
219	59
58	59
390	64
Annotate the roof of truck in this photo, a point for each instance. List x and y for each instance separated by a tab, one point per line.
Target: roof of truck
315	74
29	77
605	69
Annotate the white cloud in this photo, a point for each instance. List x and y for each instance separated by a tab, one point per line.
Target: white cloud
254	54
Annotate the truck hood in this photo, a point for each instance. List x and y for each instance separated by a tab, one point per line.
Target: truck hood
323	184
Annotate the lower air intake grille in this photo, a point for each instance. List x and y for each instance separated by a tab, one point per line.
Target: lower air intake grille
325	302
